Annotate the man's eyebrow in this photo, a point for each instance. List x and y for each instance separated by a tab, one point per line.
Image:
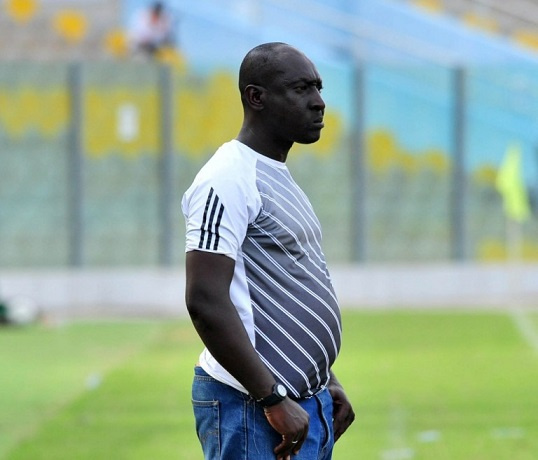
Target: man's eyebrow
309	81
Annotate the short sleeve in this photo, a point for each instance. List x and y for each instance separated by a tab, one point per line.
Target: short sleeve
217	215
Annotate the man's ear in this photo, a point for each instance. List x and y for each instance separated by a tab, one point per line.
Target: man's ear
255	97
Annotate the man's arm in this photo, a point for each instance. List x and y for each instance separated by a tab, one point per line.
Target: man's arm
219	326
343	415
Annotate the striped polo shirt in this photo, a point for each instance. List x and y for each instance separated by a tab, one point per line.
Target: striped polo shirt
248	207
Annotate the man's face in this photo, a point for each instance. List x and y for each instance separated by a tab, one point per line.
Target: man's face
294	107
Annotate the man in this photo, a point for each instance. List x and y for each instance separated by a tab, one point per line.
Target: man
258	290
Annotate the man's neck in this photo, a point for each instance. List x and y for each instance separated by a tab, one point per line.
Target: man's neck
262	146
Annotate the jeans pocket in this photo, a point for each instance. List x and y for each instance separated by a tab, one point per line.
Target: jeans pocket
206	414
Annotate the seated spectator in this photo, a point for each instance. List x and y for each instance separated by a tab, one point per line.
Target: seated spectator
152	30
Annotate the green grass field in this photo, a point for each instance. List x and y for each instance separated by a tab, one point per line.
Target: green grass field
425	385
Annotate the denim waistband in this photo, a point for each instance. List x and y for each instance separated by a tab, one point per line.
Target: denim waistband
200	372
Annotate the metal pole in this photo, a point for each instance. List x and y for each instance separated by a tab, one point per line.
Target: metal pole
166	168
459	182
75	179
357	164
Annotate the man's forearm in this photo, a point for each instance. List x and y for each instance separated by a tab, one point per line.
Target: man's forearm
218	323
224	335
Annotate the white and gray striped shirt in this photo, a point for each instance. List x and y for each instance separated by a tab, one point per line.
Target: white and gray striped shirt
248	207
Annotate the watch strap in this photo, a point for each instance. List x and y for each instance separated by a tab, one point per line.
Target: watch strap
274	398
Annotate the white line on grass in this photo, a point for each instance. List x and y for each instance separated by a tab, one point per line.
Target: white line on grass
397	433
518	314
525	327
511	432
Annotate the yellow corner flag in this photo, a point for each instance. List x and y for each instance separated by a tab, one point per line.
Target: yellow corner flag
511	186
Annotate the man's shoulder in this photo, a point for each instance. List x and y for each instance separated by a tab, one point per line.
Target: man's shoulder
231	169
230	156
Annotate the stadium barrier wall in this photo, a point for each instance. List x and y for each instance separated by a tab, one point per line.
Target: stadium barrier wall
70	294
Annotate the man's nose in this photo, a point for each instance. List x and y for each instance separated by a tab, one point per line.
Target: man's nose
318	103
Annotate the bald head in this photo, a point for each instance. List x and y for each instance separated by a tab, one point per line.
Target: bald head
261	63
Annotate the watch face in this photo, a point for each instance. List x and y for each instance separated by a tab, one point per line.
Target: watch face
281	390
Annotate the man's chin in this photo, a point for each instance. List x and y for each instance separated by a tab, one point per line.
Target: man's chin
310	139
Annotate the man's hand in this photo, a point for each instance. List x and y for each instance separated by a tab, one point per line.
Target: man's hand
291	421
343	414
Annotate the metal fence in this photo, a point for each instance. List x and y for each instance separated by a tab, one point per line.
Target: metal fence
94	159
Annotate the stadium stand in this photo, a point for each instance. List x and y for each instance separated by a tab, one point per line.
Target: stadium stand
60	29
404	59
408	82
517	19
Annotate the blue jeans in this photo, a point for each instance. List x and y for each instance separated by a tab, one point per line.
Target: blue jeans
232	426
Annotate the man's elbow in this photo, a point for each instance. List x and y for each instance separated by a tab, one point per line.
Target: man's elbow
204	314
194	302
201	303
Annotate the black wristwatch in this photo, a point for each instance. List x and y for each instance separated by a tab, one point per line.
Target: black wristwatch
279	394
